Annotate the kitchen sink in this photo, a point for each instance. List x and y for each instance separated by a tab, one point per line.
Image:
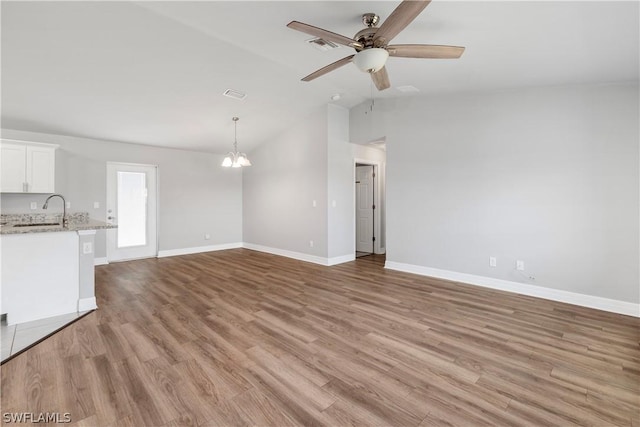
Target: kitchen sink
36	224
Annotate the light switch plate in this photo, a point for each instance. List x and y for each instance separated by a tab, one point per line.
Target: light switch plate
68	205
96	205
87	248
34	205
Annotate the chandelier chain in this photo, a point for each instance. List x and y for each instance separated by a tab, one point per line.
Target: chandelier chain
235	134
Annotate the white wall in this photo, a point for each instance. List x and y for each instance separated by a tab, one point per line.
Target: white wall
312	161
196	195
288	174
545	175
340	184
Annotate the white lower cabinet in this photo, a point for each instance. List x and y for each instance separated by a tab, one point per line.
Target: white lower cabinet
40	275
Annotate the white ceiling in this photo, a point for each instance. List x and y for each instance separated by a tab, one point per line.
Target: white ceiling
154	72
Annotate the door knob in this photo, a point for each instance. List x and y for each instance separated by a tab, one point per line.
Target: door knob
111	217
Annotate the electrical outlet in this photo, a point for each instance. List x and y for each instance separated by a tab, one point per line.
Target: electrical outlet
313	203
520	265
68	205
96	205
310	243
207	236
333	203
87	248
33	206
493	261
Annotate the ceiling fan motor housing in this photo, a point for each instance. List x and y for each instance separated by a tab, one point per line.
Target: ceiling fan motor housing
366	35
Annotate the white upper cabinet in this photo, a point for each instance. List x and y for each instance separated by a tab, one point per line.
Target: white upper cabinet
13	167
27	167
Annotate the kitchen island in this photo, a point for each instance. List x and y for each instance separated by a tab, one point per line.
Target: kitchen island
47	270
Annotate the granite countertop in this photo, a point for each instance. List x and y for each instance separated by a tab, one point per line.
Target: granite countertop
77	222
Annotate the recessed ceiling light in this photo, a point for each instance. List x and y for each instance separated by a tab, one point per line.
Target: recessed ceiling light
408	89
322	44
335	97
235	94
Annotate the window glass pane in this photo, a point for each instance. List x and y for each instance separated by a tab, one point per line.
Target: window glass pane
132	209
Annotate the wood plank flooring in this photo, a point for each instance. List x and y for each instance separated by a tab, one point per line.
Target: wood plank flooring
242	338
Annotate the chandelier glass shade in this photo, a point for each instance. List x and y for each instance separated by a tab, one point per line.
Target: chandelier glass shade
235	159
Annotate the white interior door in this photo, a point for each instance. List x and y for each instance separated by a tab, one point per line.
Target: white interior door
131	204
364	208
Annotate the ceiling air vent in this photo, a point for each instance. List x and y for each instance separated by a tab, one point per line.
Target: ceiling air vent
322	44
235	94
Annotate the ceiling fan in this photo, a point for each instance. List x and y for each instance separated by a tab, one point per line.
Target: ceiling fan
372	43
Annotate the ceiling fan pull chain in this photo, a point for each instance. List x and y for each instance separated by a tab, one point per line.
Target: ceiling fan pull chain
373	99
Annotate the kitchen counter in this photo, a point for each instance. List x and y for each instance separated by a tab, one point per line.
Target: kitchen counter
47	270
90	224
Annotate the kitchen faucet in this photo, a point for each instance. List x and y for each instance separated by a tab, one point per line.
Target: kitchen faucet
65	220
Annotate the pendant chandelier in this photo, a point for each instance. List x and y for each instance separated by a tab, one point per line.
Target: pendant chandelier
235	159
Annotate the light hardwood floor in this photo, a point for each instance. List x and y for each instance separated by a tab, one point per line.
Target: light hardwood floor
237	338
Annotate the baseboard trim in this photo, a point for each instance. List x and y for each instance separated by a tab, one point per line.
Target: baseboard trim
198	249
85	304
260	248
300	256
340	259
15	319
590	301
285	253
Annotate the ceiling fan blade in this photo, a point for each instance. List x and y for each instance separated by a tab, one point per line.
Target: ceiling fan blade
425	51
325	34
381	79
324	70
402	16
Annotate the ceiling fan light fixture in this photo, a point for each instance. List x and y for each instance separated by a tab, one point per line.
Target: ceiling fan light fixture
371	60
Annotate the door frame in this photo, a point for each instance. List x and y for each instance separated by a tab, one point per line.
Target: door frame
377	212
157	213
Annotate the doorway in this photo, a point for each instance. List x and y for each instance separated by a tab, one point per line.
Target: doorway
132	205
365	209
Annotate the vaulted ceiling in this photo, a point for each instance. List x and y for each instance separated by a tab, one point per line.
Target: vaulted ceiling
154	72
